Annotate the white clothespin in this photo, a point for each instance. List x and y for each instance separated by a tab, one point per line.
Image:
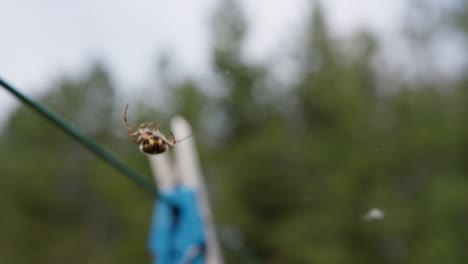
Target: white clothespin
185	170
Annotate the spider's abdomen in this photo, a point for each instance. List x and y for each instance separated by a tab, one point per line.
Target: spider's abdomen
160	146
153	146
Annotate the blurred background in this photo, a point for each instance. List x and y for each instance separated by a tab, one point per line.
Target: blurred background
307	115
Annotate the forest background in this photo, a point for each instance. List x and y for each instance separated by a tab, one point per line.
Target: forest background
293	159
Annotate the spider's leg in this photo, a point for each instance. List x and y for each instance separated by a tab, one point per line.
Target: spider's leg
159	126
172	139
171	142
125	115
131	134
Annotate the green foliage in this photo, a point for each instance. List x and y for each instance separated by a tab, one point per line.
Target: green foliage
61	204
295	179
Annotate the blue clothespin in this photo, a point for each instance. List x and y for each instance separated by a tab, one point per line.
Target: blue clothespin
182	230
176	235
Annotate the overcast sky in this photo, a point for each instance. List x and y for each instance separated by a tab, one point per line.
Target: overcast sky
43	40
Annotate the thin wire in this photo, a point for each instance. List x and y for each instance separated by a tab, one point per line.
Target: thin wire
100	151
184	138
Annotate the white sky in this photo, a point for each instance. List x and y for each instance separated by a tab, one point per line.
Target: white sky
43	40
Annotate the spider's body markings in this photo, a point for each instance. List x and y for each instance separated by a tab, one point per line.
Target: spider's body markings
149	139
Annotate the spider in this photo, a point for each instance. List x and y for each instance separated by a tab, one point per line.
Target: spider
150	140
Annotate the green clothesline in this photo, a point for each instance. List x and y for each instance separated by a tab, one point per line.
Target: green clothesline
89	143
